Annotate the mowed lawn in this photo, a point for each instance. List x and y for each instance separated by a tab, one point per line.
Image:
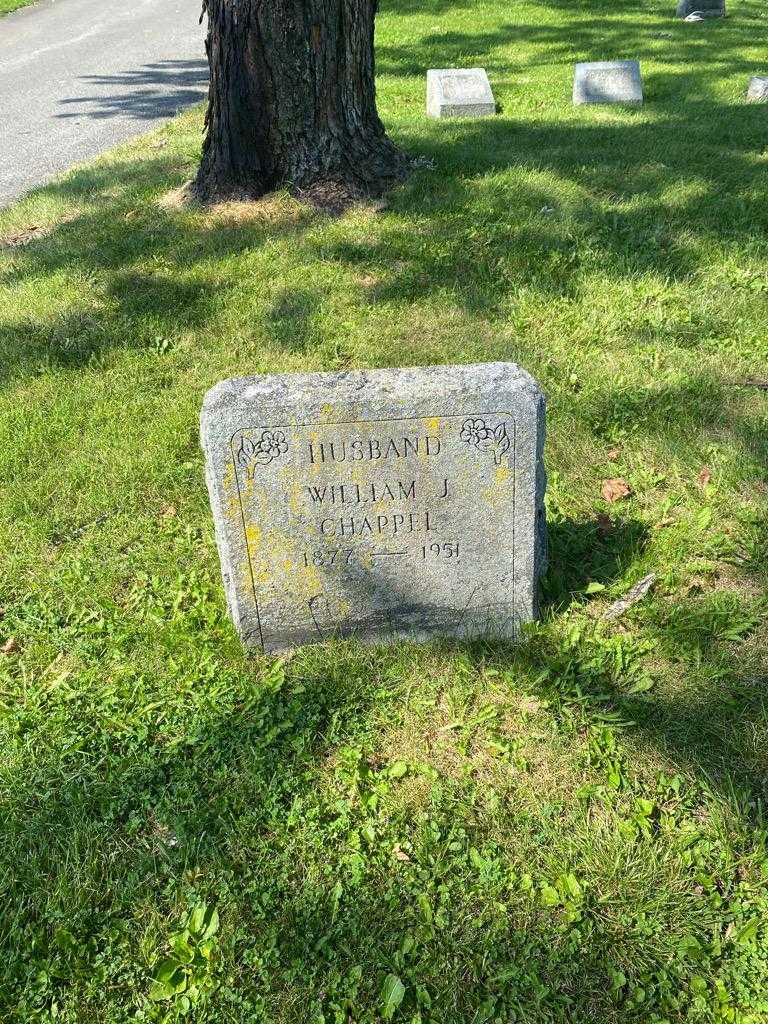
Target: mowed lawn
6	6
573	830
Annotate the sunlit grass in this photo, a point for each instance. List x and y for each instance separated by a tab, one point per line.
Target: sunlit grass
568	831
6	6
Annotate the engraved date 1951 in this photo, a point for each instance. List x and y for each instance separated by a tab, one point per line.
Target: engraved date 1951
433	551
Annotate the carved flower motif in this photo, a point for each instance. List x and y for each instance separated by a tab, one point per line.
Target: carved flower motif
273	443
475	431
486	439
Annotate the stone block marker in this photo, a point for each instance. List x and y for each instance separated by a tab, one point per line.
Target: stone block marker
608	81
699	10
758	89
379	504
459	92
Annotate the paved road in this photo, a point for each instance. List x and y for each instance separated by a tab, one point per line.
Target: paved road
78	76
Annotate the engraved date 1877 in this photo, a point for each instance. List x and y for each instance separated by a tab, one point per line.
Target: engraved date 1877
341	558
325	557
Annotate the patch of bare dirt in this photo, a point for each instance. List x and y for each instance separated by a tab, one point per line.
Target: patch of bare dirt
181	198
21	238
34	232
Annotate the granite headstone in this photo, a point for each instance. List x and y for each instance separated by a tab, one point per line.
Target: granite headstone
702	8
459	92
608	81
757	91
378	504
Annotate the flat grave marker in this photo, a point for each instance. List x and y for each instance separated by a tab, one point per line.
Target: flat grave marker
459	92
378	504
607	81
757	92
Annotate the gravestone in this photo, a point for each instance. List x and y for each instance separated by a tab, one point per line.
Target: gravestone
758	89
378	504
698	10
608	81
459	92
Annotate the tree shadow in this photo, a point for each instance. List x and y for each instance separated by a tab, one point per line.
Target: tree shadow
291	318
603	33
212	806
147	291
635	164
208	802
153	91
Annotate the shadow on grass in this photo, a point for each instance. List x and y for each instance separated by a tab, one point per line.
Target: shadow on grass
224	809
596	551
127	815
632	198
700	53
225	804
661	181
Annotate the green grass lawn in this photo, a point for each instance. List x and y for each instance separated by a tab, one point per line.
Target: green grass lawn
571	831
6	6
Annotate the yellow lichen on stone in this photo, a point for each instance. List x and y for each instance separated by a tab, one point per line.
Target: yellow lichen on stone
253	536
306	581
295	498
500	487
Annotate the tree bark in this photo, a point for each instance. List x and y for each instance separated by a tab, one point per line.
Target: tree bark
292	100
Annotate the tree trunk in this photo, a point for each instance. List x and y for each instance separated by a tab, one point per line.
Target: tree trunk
292	100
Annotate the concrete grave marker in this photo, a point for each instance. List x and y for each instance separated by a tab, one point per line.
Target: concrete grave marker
608	81
380	504
699	10
758	89
459	92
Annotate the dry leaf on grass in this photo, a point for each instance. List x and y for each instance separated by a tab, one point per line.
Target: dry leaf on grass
704	477
531	705
614	453
399	853
10	646
615	489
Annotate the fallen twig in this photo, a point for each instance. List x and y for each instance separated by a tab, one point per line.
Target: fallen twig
637	593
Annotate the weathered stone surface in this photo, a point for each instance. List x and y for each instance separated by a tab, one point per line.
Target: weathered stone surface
459	92
758	89
608	81
703	8
380	504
